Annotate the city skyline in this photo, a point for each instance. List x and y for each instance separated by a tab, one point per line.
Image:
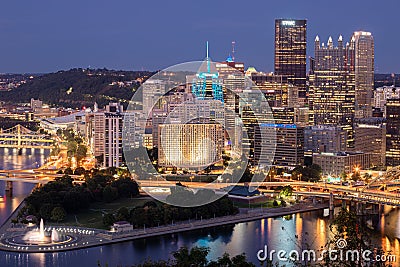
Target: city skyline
47	37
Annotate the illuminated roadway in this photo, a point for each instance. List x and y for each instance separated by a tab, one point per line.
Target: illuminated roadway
310	189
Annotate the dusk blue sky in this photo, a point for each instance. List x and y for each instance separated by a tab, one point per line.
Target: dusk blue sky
52	35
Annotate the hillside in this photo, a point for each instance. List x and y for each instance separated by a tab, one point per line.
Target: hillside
78	87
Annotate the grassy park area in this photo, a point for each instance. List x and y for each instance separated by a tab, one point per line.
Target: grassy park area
93	217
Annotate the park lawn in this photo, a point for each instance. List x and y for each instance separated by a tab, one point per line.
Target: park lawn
93	217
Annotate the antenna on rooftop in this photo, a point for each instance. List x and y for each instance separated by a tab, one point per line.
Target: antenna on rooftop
233	50
208	59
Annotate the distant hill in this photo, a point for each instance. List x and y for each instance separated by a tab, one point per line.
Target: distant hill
78	87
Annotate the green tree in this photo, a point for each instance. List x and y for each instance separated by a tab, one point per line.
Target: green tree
122	214
343	176
108	219
45	211
197	256
286	191
110	193
81	152
58	214
356	176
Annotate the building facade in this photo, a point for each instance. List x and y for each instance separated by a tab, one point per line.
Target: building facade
393	132
289	146
324	138
335	164
371	138
190	146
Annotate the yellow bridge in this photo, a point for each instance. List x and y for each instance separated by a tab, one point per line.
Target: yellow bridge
21	137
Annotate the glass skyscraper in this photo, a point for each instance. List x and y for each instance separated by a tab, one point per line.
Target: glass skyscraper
290	52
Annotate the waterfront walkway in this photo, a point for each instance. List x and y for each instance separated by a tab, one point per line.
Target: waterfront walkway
85	238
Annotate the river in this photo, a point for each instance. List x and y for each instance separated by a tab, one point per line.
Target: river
305	230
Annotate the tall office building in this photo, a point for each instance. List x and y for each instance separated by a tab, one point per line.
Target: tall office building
289	147
362	64
393	132
332	92
290	52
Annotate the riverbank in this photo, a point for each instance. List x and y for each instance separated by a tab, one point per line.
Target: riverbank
101	237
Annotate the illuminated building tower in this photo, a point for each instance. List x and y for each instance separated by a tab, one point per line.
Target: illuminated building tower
190	146
207	83
393	132
290	52
361	61
332	93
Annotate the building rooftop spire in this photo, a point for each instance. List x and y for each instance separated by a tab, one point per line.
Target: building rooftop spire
330	41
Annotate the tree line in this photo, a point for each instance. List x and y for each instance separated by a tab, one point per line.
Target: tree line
154	213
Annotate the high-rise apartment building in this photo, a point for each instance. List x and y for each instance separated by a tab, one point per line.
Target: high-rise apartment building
113	122
107	134
290	52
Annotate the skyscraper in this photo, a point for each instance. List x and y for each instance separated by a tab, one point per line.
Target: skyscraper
332	93
290	52
362	64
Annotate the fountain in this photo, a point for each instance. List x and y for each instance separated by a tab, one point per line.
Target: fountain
41	237
37	236
55	236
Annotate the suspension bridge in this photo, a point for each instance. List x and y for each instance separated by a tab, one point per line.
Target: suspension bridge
21	137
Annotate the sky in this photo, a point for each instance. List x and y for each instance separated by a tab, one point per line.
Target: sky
50	35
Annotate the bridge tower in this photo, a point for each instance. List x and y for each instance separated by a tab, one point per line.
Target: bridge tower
331	202
9	188
19	136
